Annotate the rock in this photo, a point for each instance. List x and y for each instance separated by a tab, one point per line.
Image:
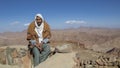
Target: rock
2	56
64	48
89	66
114	51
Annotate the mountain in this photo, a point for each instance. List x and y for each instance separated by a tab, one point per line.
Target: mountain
97	39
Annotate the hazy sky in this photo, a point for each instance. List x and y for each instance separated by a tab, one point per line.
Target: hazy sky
15	15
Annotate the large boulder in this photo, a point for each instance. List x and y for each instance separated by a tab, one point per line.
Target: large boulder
66	48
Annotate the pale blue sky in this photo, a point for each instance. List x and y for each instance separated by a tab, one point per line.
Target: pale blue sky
60	14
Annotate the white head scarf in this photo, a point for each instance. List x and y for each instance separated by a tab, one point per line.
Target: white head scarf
39	15
39	29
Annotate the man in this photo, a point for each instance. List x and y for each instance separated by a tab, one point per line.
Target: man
38	35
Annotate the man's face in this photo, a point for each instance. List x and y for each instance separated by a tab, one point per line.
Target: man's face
38	20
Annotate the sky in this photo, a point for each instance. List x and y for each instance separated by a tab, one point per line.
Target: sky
16	15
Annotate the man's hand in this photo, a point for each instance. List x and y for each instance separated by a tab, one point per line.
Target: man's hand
39	45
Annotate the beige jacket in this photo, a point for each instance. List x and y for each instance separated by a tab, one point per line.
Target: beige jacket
31	33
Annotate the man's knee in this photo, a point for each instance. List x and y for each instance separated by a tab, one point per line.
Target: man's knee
35	51
46	47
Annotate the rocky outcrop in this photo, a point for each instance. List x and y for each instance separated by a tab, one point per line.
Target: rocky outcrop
114	51
102	61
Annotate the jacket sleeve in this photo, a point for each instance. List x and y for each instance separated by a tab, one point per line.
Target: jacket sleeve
29	32
47	31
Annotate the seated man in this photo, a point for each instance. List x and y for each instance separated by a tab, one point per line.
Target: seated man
38	35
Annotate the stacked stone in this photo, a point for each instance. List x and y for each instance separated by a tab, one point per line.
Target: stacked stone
100	62
2	56
11	56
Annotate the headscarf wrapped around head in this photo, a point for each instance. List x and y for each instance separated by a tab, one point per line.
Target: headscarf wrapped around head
39	15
